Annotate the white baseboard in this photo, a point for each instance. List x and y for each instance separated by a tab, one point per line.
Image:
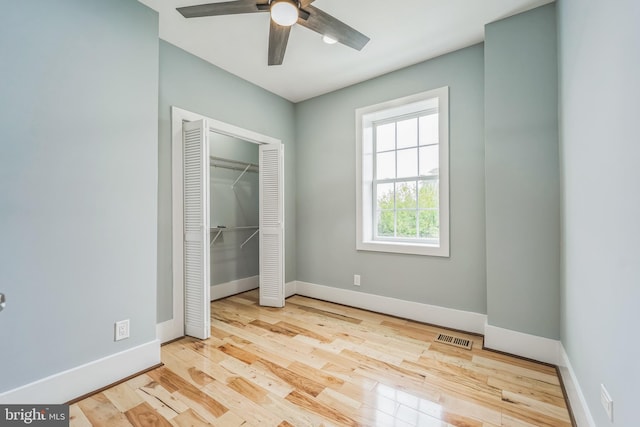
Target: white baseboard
578	403
68	385
290	289
227	289
169	330
447	317
521	344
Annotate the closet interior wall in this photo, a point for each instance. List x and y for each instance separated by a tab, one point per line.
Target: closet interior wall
234	196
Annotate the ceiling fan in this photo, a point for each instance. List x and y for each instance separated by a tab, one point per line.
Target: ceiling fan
284	13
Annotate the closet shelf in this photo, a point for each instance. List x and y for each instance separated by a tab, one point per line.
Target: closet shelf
218	230
220	162
243	227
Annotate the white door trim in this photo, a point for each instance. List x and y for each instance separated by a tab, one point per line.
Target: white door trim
174	328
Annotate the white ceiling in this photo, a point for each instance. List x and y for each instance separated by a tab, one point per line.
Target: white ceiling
402	32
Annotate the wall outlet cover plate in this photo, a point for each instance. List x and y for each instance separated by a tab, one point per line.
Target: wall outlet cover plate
122	330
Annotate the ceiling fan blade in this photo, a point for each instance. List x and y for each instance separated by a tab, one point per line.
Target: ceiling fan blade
305	3
225	8
325	24
278	39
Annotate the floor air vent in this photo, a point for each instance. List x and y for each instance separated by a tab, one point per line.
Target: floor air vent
454	341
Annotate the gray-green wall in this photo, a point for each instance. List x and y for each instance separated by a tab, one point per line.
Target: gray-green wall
326	225
78	182
521	172
600	89
195	85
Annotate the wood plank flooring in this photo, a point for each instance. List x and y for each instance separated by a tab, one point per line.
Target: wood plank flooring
314	363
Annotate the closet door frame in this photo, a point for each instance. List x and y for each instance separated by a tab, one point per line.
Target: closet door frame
174	328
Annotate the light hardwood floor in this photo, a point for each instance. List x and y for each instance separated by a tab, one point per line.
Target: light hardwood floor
319	364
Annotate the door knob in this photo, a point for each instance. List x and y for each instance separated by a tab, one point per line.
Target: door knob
2	301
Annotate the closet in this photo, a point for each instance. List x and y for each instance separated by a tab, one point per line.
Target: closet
234	215
228	216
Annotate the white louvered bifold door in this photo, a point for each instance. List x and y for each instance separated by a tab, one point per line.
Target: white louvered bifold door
272	225
196	229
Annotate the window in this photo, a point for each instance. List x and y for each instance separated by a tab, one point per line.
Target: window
402	149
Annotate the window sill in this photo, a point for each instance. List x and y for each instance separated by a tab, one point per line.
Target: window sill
404	248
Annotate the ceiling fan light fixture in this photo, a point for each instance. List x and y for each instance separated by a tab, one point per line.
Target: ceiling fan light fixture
329	40
284	12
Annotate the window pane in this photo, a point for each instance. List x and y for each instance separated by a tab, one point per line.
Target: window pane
429	129
385	196
385	223
408	133
429	160
386	165
407	226
428	196
406	195
407	162
386	137
429	224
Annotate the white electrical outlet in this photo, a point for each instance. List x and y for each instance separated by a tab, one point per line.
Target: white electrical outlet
122	330
356	280
607	401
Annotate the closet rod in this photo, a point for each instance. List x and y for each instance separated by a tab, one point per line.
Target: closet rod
232	164
242	227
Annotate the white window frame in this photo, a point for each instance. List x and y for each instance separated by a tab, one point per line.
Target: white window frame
365	117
